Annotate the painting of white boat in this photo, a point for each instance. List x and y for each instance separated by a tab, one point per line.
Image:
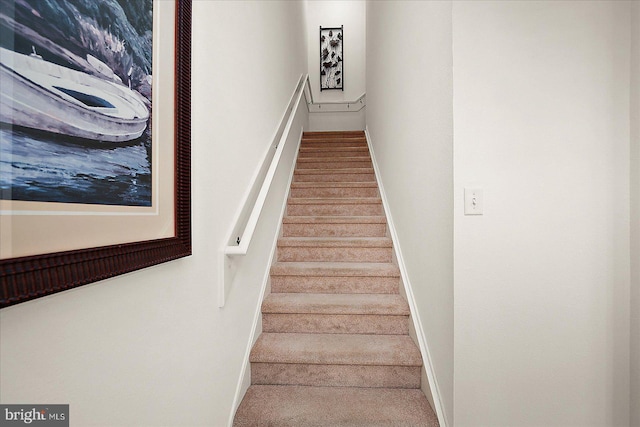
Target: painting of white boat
41	95
75	101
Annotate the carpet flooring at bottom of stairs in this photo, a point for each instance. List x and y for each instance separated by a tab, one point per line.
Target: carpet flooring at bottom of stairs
304	406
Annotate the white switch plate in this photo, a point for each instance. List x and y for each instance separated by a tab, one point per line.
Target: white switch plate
473	201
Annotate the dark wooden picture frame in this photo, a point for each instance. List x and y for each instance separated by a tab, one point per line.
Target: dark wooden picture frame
26	278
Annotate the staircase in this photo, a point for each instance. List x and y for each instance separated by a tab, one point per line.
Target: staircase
335	347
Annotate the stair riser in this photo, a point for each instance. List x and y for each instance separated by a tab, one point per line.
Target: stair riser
332	230
359	140
334	192
336	375
333	138
335	210
338	177
296	406
334	134
334	144
334	165
306	153
338	285
313	254
335	324
331	135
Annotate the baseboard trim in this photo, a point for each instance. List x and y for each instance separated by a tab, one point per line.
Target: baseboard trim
417	324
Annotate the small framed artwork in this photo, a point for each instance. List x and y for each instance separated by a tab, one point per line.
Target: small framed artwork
95	141
332	58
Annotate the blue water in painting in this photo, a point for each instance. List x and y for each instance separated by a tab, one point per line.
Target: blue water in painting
41	167
45	167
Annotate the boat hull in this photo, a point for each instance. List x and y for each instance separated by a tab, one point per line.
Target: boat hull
37	102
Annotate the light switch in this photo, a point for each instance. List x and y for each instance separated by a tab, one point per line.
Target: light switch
473	201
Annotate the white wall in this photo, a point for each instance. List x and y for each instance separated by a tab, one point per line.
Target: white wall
635	213
338	121
334	13
409	118
541	122
151	348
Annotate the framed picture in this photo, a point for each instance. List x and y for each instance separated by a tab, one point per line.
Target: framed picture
331	58
95	141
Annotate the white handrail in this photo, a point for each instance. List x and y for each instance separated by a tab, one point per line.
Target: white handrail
364	94
241	235
307	83
239	244
332	106
247	234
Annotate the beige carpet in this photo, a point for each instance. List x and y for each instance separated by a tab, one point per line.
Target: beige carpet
335	349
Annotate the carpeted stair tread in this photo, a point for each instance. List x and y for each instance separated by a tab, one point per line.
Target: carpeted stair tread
336	242
328	139
334	200
333	164
341	269
334	209
360	304
330	148
340	162
361	158
334	175
349	143
334	133
336	349
372	219
334	226
335	284
335	189
306	152
364	157
335	249
406	377
376	324
335	206
332	138
334	171
304	406
315	184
